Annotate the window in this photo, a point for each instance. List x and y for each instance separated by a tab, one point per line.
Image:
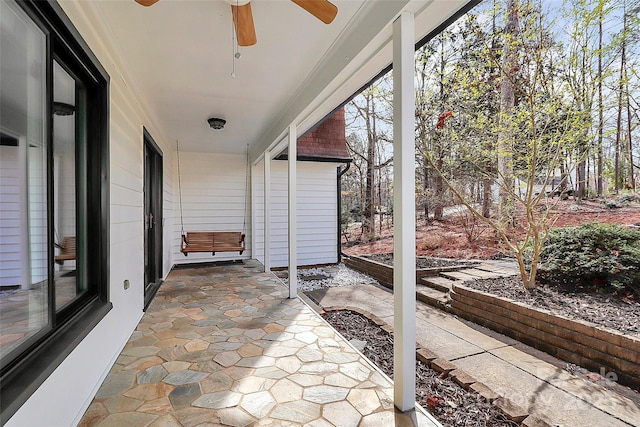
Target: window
53	195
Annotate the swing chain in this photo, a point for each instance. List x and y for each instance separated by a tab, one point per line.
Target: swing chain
180	190
246	194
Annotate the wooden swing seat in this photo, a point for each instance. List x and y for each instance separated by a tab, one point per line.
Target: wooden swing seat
212	241
67	250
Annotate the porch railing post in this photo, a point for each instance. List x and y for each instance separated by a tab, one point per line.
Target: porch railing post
404	235
267	211
293	261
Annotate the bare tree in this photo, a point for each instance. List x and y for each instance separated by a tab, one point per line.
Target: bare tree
368	120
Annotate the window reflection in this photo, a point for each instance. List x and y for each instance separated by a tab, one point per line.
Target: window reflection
23	181
64	188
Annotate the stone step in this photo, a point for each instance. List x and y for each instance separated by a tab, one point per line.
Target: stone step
505	270
438	282
458	275
432	297
481	274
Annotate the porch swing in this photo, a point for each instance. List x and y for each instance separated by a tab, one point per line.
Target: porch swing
212	241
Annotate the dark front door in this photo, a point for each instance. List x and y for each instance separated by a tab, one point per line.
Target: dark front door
152	218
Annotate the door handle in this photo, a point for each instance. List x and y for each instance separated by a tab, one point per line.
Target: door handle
150	220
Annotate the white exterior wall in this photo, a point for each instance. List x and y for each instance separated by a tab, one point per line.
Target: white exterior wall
63	397
214	198
11	243
317	213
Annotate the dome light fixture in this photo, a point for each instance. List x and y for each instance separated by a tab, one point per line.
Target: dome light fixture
216	123
63	109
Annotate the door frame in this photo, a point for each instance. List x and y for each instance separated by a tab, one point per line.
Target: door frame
153	236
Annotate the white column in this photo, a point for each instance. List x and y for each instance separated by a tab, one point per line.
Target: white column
267	211
293	261
252	210
404	234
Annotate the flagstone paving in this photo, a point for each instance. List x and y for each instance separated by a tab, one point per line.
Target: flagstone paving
223	345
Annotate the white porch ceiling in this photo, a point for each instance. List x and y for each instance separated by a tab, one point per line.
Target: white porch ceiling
179	55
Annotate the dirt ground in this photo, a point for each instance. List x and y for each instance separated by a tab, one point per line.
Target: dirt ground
458	236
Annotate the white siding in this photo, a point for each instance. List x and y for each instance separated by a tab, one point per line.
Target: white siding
63	397
317	213
214	189
37	213
11	209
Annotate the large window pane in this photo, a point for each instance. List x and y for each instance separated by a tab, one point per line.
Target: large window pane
23	180
65	122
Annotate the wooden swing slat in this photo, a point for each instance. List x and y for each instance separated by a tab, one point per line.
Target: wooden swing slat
212	241
67	250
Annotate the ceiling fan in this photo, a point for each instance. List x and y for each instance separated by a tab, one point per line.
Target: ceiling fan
324	10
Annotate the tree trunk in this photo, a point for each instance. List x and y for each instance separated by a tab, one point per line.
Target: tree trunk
632	181
616	166
369	207
486	197
426	187
507	102
599	183
438	211
581	177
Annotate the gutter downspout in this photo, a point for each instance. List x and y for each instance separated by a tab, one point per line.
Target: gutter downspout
339	204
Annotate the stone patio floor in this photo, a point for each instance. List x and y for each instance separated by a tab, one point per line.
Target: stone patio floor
223	345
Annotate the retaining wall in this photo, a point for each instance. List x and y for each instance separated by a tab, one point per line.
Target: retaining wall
574	341
383	273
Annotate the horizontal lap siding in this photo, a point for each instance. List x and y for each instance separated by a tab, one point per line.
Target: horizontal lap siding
213	199
316	209
10	218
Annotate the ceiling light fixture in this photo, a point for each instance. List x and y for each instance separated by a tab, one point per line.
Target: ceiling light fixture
216	123
63	109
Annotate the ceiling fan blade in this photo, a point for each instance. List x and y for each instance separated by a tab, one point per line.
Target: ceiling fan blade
243	23
322	9
146	2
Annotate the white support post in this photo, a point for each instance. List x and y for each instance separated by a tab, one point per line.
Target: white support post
267	211
252	210
293	261
404	234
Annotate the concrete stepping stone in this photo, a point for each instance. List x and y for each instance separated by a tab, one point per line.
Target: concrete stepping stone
482	274
438	282
459	275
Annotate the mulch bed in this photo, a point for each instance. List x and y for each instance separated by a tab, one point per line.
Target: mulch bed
606	310
449	403
421	262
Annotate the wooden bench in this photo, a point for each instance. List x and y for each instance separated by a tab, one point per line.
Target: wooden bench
67	250
212	241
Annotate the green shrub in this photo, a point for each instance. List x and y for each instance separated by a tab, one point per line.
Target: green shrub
611	204
594	256
626	198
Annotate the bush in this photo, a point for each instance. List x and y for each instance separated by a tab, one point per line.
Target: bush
626	198
430	242
594	256
611	204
